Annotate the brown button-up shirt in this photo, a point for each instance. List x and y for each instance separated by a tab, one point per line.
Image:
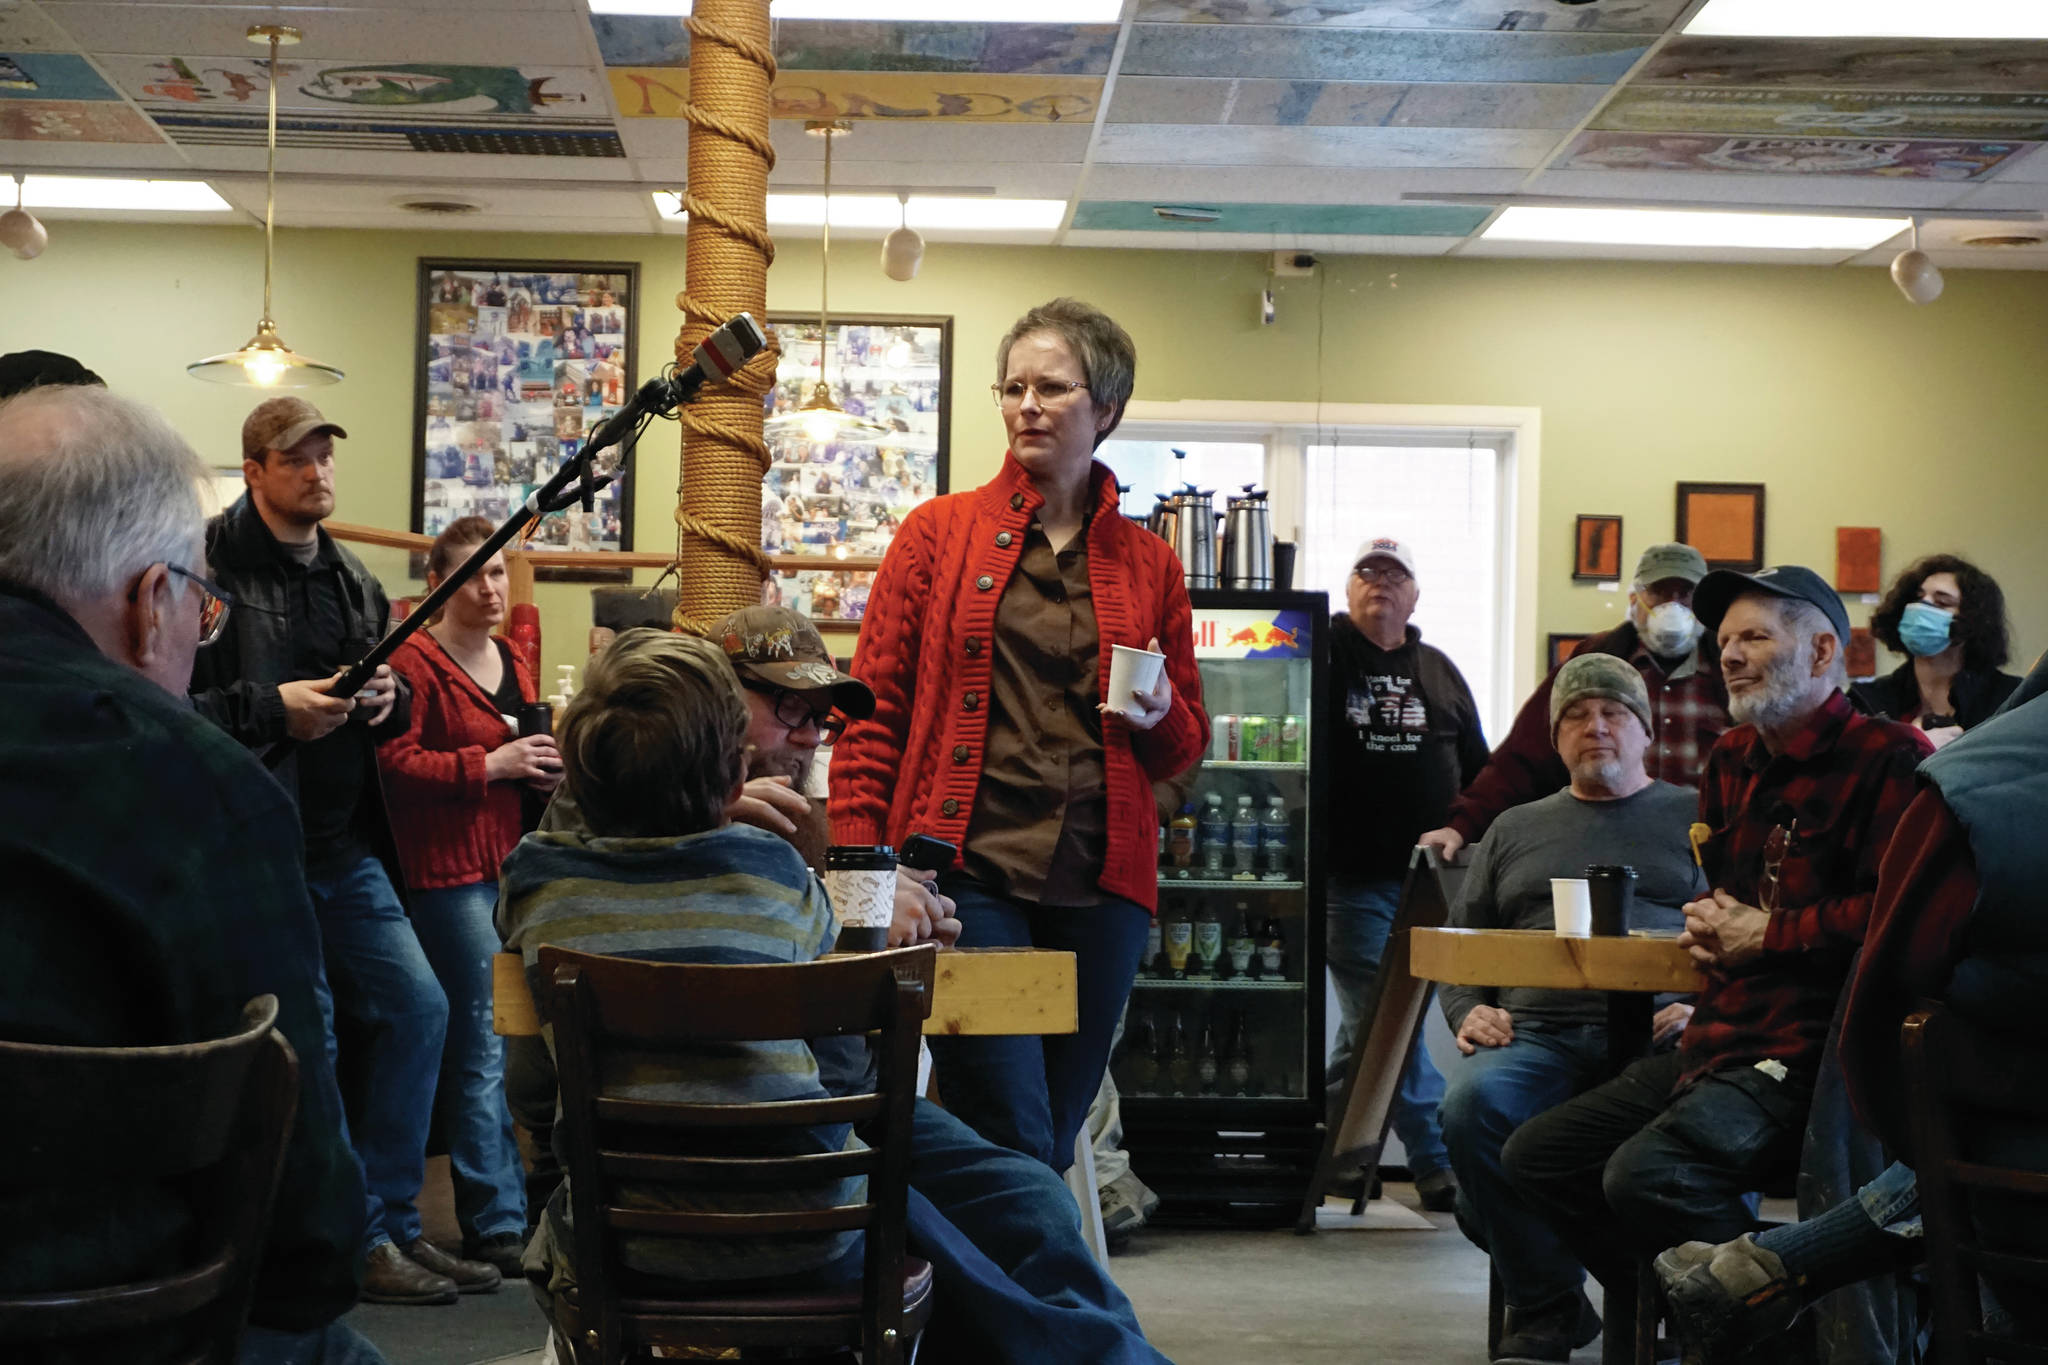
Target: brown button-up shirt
1040	822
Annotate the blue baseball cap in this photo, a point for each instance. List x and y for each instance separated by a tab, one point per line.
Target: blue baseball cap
1719	589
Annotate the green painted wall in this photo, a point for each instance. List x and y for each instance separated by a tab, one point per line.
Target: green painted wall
1853	406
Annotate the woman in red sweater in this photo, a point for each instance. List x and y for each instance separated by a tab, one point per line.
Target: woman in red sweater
454	781
987	642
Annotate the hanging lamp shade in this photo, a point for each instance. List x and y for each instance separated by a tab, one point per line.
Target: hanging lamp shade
264	361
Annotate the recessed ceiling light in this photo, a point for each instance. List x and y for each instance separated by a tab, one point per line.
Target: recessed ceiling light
900	11
133	196
1672	227
924	212
1871	19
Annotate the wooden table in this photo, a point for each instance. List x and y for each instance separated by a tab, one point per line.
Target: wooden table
1632	970
978	991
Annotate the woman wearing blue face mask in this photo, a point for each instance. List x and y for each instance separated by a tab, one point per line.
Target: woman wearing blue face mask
1948	617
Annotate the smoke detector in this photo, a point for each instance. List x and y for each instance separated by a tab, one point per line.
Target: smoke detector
439	206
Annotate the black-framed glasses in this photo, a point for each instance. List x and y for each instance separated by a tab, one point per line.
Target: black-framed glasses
793	713
1392	576
1776	845
1051	392
214	601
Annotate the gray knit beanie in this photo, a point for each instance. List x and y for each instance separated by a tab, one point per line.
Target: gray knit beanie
1603	676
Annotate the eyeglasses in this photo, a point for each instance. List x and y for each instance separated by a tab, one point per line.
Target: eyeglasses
793	713
1776	845
1052	393
214	602
1393	578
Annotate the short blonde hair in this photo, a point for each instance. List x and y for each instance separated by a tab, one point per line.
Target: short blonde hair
654	743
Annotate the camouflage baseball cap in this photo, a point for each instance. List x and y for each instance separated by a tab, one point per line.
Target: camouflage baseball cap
281	423
1603	676
779	646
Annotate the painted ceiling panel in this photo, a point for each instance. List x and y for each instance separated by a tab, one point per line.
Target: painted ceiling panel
24	30
1379	54
1190	99
1892	159
73	121
1777	111
1852	64
50	76
1162	184
659	93
1615	16
1347	220
1162	143
421	89
1692	188
899	140
335	35
1266	241
89	158
833	45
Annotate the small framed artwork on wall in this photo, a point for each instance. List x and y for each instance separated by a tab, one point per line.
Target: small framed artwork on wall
1724	522
1596	553
1558	648
1859	558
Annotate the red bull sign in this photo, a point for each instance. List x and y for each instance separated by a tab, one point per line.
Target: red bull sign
1237	634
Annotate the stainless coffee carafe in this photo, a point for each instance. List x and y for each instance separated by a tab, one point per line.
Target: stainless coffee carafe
1248	541
1186	520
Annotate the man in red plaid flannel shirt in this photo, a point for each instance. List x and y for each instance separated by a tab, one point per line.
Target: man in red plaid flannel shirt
1799	801
1681	672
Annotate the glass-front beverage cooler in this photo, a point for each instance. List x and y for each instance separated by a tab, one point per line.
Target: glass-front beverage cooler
1220	1067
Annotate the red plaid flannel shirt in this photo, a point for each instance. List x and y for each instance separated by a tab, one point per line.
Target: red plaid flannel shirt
1839	787
1689	711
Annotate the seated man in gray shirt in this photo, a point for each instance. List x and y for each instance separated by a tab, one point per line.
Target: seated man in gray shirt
1529	1049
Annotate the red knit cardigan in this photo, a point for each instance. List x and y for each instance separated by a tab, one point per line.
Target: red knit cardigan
924	648
453	826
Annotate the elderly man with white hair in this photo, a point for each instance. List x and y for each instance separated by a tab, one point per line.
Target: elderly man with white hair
151	865
1799	801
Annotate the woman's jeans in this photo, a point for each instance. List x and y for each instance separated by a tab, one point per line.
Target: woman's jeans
1029	1093
454	927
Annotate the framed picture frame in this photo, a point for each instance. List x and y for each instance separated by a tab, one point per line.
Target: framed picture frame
1596	549
515	362
841	501
1557	648
1724	522
1859	559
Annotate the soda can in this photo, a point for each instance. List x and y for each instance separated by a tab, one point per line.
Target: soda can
1257	744
1224	735
1293	748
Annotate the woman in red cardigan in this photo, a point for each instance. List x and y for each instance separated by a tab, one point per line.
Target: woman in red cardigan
454	781
987	642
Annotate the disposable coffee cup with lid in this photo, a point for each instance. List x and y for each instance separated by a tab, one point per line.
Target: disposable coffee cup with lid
861	881
1611	890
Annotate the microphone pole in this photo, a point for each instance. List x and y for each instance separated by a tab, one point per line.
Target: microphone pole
717	357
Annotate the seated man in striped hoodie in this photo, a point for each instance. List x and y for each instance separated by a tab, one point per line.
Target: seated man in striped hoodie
650	866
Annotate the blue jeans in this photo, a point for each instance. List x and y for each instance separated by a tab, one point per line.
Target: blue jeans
1357	918
454	927
382	985
1492	1093
1028	1093
335	1344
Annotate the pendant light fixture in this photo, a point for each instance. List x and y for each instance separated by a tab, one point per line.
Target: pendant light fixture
821	418
264	360
20	231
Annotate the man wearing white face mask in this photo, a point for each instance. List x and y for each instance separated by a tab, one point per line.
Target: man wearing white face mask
1681	671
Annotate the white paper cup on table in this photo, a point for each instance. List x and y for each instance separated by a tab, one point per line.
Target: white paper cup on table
1571	906
861	880
1132	670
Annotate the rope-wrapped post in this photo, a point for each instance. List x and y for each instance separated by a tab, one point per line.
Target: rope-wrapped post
719	563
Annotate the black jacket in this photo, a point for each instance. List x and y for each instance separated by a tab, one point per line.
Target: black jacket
1974	694
234	679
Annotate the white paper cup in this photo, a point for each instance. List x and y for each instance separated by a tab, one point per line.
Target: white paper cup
1132	670
1571	906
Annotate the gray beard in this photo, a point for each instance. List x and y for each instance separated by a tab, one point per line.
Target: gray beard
1780	699
1604	775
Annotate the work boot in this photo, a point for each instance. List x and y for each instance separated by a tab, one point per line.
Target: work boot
1438	1190
470	1277
1127	1205
390	1276
1725	1299
502	1249
1549	1332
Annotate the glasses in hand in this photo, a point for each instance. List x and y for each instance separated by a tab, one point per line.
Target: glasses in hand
793	713
1051	393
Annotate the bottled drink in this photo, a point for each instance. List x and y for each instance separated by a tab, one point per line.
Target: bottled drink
1244	841
1237	1056
1141	1053
1243	946
1272	951
1207	1065
1162	845
1177	1066
1208	944
1155	950
1180	842
1179	936
1214	830
1293	747
1276	842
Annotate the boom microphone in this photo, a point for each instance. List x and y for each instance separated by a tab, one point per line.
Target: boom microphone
718	357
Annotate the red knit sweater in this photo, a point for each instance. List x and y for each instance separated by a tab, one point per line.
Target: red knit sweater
453	826
924	647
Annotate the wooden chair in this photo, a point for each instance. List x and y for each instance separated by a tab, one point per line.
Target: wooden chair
602	1005
1956	1076
209	1119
